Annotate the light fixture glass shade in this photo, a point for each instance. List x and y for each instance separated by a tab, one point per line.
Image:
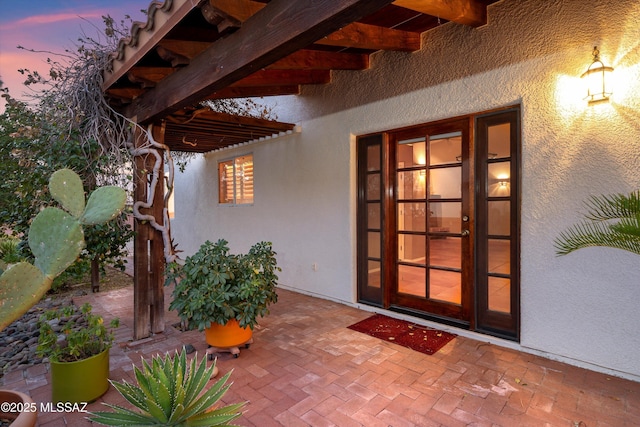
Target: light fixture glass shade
596	79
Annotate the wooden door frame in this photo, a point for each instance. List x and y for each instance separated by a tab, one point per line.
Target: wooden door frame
471	181
496	323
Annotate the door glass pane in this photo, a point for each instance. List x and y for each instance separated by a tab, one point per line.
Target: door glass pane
373	157
375	274
445	217
499	141
499	217
499	294
499	179
445	286
445	252
411	152
499	259
446	182
411	280
373	215
411	216
374	245
373	186
411	248
411	184
445	149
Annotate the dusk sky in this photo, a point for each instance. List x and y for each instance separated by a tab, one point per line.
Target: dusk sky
50	26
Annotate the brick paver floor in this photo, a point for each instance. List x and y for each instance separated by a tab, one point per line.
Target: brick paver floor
305	368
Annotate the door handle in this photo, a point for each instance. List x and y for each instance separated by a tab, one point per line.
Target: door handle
465	233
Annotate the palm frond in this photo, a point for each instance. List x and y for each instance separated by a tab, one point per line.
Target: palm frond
611	221
612	207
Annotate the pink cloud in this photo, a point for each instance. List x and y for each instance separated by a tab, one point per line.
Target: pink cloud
50	19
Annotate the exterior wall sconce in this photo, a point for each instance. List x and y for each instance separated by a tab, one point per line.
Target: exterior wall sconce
596	79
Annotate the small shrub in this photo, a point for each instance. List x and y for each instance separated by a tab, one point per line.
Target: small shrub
84	334
10	250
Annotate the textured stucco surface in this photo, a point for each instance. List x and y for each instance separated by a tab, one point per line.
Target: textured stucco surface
582	307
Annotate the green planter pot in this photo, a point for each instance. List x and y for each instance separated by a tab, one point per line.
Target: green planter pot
81	381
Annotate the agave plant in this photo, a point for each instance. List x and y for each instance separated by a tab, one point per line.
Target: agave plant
170	393
611	221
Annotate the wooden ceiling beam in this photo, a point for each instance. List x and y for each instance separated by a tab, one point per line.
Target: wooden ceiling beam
321	60
149	76
180	52
239	10
466	12
278	30
146	40
355	35
252	91
373	37
284	77
125	94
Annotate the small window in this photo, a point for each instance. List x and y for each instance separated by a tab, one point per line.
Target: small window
235	177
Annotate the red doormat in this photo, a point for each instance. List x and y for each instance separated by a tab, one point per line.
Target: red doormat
406	334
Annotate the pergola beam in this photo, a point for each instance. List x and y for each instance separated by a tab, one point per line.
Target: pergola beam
466	12
276	31
373	37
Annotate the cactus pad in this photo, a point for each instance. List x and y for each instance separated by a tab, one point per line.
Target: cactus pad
66	188
103	205
21	286
56	239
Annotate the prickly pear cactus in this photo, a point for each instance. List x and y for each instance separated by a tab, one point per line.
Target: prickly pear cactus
56	240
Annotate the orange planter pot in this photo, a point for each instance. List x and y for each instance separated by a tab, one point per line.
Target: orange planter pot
18	400
229	335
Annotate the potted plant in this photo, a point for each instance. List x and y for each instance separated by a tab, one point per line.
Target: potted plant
224	293
78	353
56	239
171	392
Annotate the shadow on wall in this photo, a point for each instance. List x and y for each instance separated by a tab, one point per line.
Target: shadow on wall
516	32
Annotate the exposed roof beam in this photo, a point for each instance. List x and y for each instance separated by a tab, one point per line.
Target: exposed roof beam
147	40
356	35
180	52
372	37
466	12
278	30
148	76
284	77
240	10
320	60
125	94
250	91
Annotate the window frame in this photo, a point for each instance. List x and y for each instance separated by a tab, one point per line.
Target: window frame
235	199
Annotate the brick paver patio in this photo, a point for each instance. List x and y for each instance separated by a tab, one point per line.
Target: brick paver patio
306	368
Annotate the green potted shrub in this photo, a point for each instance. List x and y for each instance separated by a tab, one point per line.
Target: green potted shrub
56	239
78	353
171	392
223	293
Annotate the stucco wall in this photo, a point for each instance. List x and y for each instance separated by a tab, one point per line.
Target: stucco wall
582	307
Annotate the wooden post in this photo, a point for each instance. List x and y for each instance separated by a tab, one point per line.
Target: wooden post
156	249
148	300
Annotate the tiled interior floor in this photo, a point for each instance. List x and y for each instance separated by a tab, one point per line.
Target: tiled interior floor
305	368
